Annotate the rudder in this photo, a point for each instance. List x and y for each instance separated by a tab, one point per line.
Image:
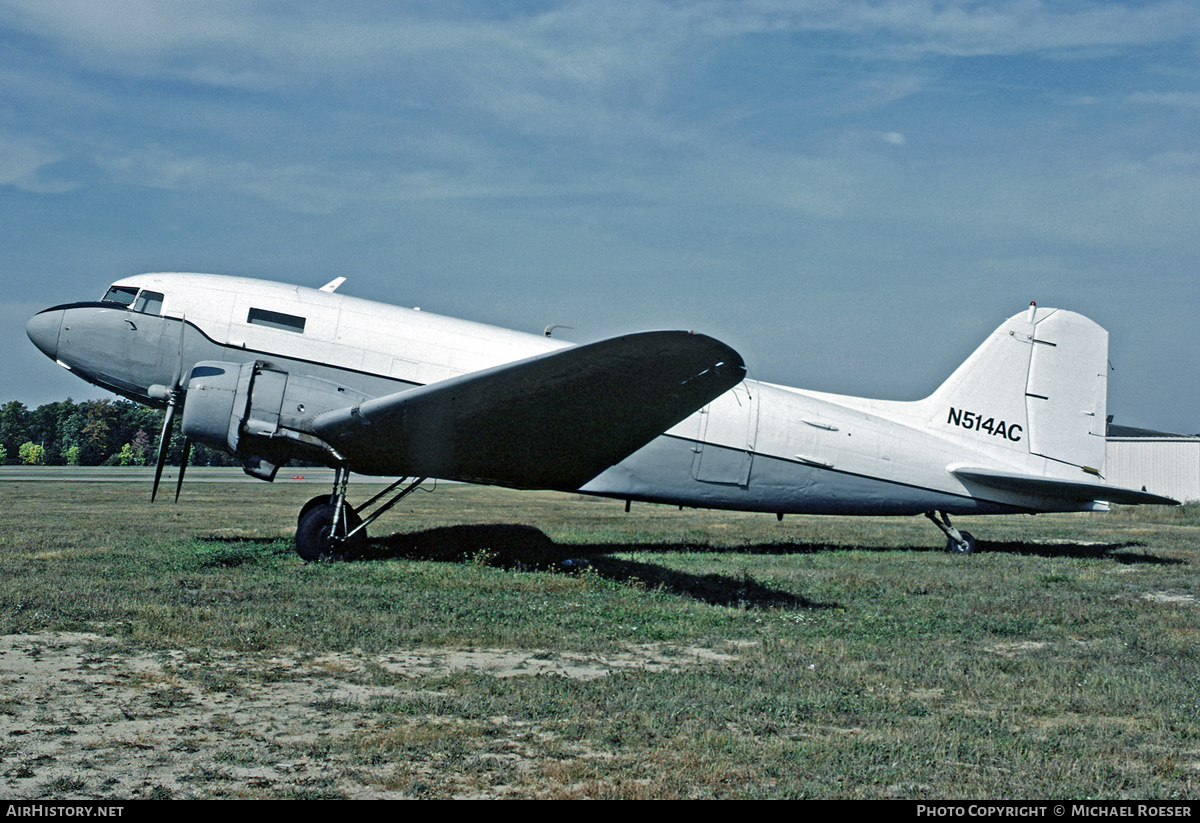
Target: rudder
1037	386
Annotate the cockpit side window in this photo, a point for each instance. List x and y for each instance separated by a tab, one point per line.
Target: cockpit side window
121	294
148	302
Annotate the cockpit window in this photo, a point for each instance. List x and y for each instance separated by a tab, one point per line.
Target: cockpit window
148	302
120	294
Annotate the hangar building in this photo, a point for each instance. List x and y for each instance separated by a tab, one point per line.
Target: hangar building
1159	462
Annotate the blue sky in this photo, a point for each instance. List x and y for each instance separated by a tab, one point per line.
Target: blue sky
853	194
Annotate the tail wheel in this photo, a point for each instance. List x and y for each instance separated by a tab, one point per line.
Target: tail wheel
965	546
314	534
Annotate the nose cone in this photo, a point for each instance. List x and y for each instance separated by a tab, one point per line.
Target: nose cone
43	330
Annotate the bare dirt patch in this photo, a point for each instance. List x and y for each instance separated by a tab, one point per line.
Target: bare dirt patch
82	717
1178	598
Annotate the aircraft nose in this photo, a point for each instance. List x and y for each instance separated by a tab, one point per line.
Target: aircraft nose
43	329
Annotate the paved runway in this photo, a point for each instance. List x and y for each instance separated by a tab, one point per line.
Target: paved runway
145	474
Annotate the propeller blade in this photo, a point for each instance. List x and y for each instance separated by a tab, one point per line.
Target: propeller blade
164	442
183	461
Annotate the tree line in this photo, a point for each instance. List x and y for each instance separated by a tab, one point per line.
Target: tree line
92	433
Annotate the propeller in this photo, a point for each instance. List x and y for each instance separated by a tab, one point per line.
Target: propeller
164	439
173	395
183	462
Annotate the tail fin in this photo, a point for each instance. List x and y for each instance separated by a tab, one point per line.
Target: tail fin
1037	386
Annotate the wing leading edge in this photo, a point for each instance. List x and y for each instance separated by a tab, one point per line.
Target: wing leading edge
553	421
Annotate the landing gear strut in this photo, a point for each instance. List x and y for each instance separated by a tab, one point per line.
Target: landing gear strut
956	542
329	528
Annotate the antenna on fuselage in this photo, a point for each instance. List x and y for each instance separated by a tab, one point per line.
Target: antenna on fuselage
333	284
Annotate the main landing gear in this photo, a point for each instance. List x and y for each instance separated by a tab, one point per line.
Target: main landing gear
956	542
329	528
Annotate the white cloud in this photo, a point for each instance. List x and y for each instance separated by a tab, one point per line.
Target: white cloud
971	27
1173	99
23	164
594	45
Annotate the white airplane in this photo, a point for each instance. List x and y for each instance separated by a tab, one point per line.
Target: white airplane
272	372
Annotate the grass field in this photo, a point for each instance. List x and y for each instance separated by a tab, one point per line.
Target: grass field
504	644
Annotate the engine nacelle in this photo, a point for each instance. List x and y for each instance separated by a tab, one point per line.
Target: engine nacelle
258	412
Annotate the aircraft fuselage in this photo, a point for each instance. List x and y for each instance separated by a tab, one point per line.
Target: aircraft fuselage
758	447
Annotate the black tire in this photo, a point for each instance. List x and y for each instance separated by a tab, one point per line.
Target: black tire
316	501
313	541
965	547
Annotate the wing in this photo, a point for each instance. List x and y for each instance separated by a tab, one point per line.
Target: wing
552	421
1077	490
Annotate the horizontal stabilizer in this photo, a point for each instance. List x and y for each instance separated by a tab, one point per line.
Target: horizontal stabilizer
551	421
1079	490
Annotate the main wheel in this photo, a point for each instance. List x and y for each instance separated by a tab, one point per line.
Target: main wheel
316	501
314	534
967	546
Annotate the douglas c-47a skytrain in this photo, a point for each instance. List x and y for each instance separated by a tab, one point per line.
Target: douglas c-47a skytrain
272	372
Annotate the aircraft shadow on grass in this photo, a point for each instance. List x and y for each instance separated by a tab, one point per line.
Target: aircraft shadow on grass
512	546
515	546
1129	553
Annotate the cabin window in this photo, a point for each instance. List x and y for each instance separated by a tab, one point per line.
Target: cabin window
120	294
148	302
275	320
